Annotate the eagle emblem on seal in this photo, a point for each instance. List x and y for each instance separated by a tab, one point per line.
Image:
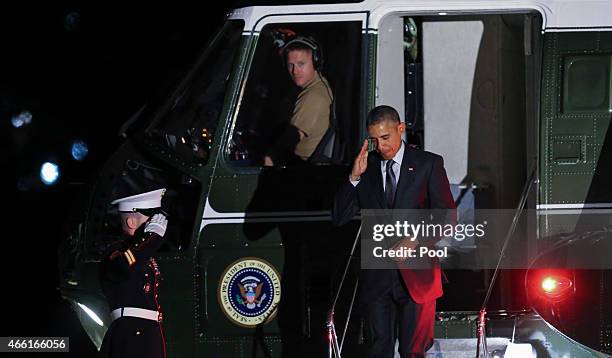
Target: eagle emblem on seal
251	292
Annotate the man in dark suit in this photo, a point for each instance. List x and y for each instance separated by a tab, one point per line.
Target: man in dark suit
396	177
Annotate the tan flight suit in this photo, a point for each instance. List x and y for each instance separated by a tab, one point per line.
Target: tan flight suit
311	115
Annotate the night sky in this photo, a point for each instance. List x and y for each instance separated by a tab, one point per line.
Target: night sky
81	68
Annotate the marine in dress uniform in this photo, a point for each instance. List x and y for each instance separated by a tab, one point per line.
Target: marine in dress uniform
130	280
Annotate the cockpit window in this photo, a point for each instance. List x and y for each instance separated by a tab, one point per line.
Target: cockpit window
188	122
268	103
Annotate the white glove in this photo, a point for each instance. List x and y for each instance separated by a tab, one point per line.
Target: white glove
157	224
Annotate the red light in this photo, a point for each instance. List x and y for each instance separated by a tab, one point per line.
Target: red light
549	284
555	287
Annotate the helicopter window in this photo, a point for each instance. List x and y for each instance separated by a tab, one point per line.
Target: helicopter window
189	121
268	101
586	83
180	203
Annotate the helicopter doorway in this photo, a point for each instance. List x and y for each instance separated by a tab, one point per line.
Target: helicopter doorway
470	93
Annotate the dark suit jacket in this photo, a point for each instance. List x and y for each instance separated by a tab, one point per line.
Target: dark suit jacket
422	185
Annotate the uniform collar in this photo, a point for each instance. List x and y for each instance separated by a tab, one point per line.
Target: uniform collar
316	79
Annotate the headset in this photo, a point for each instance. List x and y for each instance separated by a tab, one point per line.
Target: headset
311	43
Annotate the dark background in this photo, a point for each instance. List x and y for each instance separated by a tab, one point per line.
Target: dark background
82	68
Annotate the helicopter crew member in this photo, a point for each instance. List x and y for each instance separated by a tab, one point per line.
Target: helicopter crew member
311	115
130	280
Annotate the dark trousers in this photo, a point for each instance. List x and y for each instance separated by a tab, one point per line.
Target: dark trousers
133	337
392	313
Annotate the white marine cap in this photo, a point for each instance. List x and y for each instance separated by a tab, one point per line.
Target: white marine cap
148	200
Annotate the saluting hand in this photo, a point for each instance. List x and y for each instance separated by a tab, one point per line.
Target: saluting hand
157	224
361	162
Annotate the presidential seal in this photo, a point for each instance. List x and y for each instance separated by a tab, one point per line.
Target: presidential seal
249	291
